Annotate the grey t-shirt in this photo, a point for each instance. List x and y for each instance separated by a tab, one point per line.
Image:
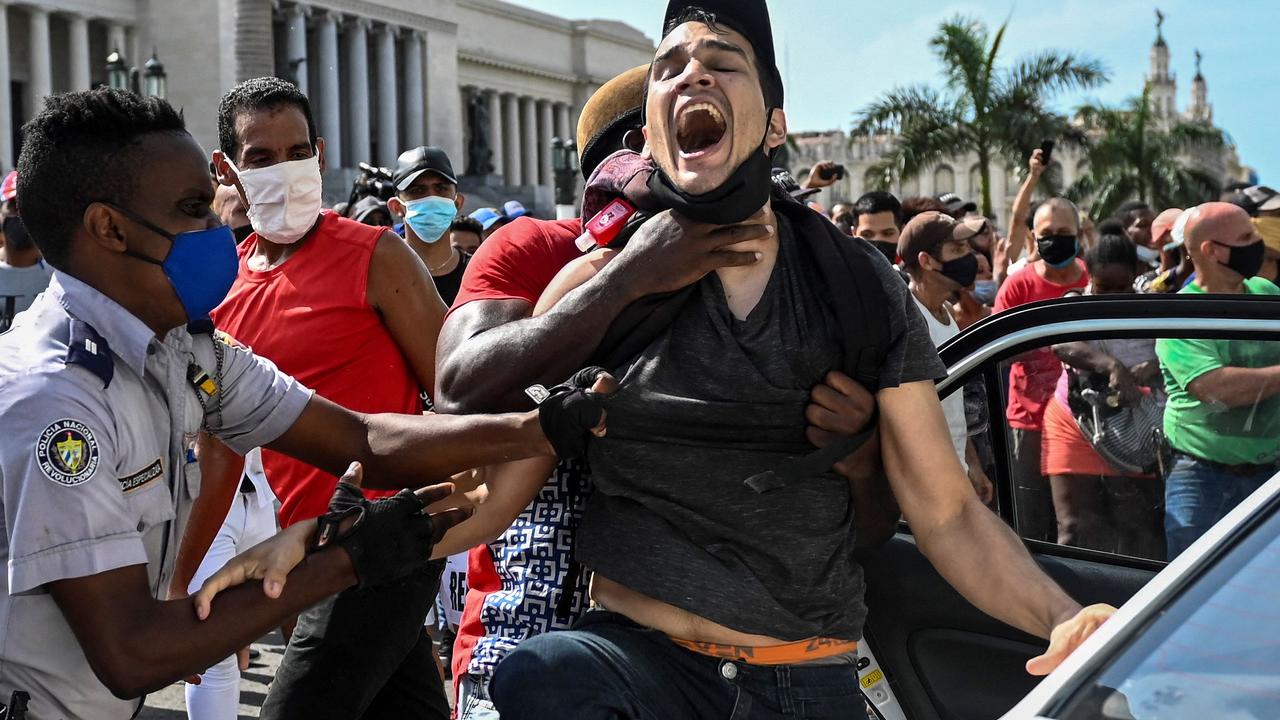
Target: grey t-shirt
711	402
19	287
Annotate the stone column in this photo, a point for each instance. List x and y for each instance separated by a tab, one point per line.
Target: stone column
41	85
529	141
444	108
7	159
414	118
564	130
388	122
295	22
496	134
546	131
330	91
118	39
78	35
511	143
357	91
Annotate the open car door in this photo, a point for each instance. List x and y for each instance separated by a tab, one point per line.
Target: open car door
942	659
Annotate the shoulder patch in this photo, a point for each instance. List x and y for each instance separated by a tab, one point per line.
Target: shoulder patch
67	452
143	477
88	349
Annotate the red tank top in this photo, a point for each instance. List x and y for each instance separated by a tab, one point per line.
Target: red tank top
311	317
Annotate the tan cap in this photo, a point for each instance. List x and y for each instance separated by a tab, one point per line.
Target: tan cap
930	230
616	107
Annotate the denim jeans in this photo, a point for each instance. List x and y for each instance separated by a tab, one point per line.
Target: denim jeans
363	654
1197	495
608	668
473	699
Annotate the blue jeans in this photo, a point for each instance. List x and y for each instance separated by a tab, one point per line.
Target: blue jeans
473	699
608	668
1197	495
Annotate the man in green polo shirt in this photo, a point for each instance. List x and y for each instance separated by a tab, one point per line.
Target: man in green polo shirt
1223	415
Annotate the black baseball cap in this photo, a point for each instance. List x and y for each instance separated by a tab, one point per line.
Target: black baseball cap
750	18
414	162
1263	197
956	204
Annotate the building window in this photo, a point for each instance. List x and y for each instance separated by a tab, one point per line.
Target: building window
944	180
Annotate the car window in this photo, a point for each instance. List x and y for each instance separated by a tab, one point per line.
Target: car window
1136	446
1213	652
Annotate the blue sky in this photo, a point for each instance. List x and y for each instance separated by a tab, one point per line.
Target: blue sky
837	55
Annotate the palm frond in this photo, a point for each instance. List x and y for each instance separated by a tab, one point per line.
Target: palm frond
989	68
903	107
1190	136
960	45
1050	72
919	148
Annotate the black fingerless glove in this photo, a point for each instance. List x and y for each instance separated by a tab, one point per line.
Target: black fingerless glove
390	538
569	412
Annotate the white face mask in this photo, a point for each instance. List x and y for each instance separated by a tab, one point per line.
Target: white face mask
284	199
1148	256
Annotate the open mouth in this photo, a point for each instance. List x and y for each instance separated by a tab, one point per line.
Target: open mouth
699	127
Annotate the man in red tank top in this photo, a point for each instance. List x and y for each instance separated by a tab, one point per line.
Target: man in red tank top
350	311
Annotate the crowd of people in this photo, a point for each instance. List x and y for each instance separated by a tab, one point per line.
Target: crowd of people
225	388
1070	488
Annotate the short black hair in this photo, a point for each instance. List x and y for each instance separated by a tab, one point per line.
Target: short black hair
918	205
1110	226
1112	249
466	223
878	201
82	148
770	81
264	93
1130	210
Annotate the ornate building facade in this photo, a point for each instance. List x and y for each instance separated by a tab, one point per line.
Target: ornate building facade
382	76
961	174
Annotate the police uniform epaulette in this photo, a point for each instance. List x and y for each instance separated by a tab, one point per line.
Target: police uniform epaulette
89	350
200	327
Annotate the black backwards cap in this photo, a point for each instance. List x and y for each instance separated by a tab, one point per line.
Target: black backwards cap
750	18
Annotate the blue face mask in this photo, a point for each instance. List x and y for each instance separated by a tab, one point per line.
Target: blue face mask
201	264
984	291
430	217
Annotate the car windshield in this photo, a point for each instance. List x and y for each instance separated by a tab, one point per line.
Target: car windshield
1213	653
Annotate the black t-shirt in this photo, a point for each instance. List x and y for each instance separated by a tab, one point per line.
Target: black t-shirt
711	402
448	285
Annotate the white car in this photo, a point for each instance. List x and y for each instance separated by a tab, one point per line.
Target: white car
1201	640
1196	639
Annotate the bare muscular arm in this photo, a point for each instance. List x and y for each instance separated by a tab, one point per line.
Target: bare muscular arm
491	349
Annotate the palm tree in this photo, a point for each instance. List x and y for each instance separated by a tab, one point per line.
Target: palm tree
1134	156
994	113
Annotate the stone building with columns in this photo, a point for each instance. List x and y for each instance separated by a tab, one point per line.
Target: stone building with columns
489	81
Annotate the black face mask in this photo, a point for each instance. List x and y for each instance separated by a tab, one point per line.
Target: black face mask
16	236
1246	261
962	271
889	250
1057	250
742	195
242	233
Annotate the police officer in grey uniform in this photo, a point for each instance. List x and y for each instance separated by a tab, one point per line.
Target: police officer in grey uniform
104	385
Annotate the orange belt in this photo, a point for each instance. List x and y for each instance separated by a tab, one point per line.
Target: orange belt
788	654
